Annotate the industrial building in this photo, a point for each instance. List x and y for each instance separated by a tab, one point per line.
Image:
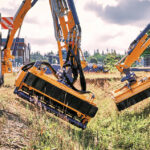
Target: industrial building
21	50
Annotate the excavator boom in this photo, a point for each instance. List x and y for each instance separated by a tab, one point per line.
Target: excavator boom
17	22
135	90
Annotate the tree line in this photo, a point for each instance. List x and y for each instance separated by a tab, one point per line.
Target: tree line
107	58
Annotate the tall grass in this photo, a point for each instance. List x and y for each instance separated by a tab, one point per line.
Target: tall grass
110	129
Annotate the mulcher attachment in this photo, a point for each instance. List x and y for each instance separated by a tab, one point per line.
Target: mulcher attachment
133	100
130	95
34	85
51	109
135	90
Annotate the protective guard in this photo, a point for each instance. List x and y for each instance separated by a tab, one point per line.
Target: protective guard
135	90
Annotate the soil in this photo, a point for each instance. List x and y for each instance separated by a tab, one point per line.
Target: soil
15	129
101	82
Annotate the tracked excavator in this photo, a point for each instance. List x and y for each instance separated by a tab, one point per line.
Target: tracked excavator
59	96
135	89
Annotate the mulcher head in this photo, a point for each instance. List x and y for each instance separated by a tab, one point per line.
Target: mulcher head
33	85
130	95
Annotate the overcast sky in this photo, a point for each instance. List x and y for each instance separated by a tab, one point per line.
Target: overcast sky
106	24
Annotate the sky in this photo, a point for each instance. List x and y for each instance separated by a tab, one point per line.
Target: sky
106	24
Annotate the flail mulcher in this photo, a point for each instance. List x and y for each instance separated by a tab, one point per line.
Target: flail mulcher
53	95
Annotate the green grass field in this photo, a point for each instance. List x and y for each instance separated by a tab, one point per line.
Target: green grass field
23	126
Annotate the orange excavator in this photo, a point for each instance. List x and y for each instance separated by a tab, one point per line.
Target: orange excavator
6	52
135	90
60	95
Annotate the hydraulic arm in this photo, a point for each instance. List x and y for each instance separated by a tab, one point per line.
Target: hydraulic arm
58	96
17	22
135	90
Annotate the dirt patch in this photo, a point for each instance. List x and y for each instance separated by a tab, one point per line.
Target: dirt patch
13	131
15	128
101	82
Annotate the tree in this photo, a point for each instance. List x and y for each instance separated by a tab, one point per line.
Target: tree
86	55
103	52
146	52
99	57
49	53
93	60
111	60
36	56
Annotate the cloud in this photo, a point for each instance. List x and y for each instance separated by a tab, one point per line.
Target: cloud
31	20
7	10
99	31
125	12
108	37
41	41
